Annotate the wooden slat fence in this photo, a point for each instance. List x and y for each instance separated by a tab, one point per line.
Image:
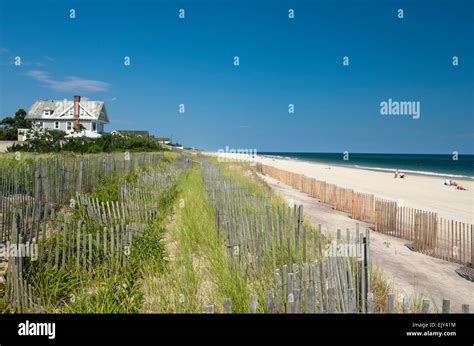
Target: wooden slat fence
385	216
89	235
273	303
432	235
363	208
53	180
303	272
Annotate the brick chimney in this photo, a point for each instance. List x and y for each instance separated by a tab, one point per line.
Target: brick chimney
77	99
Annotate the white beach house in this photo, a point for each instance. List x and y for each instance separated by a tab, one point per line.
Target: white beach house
75	117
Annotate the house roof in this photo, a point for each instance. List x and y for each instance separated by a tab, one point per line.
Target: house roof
133	132
93	110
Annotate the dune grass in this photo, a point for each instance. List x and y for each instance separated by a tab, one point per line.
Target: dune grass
197	272
94	288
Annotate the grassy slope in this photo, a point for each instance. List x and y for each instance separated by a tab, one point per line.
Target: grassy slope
198	274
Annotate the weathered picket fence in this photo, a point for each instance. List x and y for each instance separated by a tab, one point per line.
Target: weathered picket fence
304	270
89	234
430	234
269	305
53	180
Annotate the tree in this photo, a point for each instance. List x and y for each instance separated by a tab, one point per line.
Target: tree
40	141
20	120
12	124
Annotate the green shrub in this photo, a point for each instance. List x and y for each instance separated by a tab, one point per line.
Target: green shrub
54	141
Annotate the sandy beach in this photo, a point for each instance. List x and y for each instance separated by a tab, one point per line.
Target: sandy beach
412	274
415	191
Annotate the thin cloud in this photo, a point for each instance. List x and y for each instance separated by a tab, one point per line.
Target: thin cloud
69	84
48	58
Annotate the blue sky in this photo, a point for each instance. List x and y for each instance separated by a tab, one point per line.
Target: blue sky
282	61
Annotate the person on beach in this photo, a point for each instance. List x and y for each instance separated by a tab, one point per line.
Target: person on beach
458	187
450	182
398	174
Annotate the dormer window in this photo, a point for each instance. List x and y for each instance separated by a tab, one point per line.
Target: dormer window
47	112
71	112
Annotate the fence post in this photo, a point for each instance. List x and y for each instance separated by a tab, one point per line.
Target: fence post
310	300
332	302
405	305
366	275
465	308
227	306
277	291
472	245
390	303
253	303
446	306
370	302
290	303
79	176
269	302
426	306
353	303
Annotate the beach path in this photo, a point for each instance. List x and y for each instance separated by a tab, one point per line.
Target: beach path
410	272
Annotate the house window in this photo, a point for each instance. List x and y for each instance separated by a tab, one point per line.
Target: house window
71	111
39	123
69	125
47	113
56	125
94	127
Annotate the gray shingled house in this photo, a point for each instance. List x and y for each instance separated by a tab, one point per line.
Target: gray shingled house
67	115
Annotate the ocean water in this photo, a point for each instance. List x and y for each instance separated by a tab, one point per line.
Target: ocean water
425	164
